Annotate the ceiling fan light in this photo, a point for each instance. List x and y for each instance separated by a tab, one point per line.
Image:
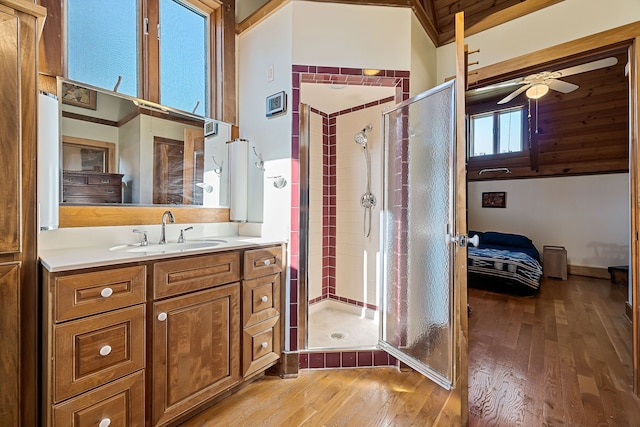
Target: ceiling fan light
537	91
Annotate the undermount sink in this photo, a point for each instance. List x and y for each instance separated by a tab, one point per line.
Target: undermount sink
170	247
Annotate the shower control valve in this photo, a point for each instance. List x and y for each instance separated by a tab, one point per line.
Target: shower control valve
368	200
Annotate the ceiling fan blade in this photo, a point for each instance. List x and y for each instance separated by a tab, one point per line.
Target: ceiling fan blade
560	86
496	86
589	66
514	94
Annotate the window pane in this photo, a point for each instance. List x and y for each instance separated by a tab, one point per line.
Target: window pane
482	135
102	43
183	57
510	124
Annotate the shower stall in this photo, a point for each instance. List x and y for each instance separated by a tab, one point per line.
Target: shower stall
344	174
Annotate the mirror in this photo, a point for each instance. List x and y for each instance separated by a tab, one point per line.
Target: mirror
118	149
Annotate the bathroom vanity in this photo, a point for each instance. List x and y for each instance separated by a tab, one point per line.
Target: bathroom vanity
148	338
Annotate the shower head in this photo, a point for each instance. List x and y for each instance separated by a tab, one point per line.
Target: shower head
361	137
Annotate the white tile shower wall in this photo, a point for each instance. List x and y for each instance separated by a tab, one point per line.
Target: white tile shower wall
357	256
315	207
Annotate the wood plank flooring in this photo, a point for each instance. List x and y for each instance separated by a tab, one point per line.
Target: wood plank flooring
560	358
563	357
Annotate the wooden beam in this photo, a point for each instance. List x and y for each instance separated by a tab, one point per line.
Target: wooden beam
511	67
506	15
427	19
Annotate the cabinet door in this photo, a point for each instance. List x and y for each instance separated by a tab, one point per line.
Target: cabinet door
10	141
196	349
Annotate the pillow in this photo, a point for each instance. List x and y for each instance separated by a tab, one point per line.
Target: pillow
505	239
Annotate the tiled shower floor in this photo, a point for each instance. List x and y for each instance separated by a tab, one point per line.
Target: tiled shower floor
333	327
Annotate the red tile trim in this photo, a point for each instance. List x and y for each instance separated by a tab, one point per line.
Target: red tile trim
345	359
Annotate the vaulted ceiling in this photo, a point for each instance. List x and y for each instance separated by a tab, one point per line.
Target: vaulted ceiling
436	16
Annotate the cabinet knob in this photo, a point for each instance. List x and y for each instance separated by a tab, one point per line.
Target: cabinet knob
264	344
105	422
264	298
162	316
267	262
106	292
105	350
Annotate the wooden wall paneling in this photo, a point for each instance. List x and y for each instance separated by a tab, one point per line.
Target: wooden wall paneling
50	47
10	353
30	31
634	131
10	125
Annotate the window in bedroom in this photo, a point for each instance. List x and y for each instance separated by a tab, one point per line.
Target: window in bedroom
497	132
162	49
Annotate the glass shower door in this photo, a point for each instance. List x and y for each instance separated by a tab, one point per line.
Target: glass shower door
418	217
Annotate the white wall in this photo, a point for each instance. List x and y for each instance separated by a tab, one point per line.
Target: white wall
588	215
562	22
348	35
267	45
423	60
357	256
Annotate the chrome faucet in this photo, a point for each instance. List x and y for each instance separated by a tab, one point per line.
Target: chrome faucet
172	219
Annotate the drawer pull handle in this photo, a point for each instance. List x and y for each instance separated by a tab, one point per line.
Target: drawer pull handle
267	262
105	422
162	316
106	292
264	298
104	351
104	181
264	344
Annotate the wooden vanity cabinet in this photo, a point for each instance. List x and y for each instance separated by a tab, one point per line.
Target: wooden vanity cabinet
94	337
203	325
195	352
261	334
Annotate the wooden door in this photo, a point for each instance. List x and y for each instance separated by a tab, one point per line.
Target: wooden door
167	171
196	349
193	170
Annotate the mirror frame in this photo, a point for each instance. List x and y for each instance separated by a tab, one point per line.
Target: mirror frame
106	215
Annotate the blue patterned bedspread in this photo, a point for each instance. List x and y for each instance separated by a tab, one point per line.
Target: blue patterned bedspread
508	266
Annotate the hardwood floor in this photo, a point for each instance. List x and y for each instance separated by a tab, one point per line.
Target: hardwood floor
562	357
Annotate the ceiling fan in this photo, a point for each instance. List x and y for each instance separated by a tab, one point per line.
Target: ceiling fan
537	85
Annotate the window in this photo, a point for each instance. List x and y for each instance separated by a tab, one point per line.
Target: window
102	43
497	132
183	57
162	53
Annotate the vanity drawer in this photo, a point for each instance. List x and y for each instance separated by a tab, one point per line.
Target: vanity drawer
121	402
192	274
114	180
93	190
261	299
260	345
92	351
80	295
263	261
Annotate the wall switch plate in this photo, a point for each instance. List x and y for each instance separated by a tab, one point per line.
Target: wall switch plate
270	73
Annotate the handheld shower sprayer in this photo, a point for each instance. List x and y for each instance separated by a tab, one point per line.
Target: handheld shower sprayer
368	200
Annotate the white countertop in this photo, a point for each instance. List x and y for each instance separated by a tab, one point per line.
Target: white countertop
66	259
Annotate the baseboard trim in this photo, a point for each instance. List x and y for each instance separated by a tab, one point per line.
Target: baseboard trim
288	366
582	270
628	310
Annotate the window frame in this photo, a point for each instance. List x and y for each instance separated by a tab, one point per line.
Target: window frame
149	53
495	113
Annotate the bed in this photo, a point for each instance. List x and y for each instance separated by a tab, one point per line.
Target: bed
504	262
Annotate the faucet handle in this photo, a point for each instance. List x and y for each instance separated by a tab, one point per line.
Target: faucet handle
181	238
145	239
